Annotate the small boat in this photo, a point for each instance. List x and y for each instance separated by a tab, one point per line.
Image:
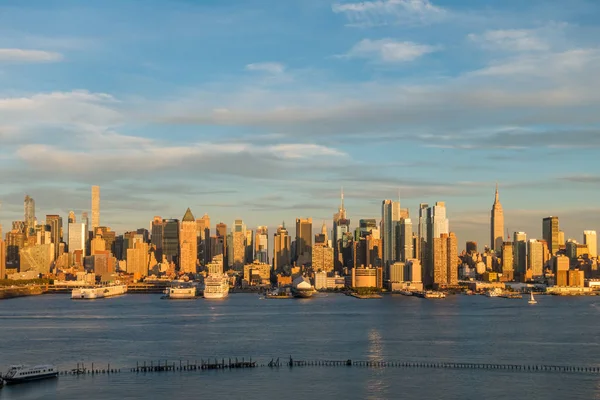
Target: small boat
406	292
23	373
531	299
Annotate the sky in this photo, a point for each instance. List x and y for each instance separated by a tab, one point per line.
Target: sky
263	110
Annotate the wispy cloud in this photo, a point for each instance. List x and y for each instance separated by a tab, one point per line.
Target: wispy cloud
268	67
388	50
384	12
510	40
29	56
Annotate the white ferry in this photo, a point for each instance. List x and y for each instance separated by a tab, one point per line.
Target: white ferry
216	286
23	373
181	292
495	292
98	292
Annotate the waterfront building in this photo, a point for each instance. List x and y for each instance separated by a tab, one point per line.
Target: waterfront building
560	268
281	249
261	244
396	272
497	224
576	278
171	240
29	212
188	244
390	220
550	233
364	277
303	241
535	257
590	239
444	258
95	207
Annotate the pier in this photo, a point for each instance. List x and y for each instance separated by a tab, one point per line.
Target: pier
243	363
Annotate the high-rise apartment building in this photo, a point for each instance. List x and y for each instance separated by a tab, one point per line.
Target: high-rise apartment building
497	224
138	259
203	239
590	239
520	252
535	257
421	242
550	233
95	207
261	244
303	240
437	225
188	244
29	211
282	248
508	263
156	239
445	259
322	253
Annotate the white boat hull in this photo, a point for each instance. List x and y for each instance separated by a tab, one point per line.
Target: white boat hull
221	295
180	293
98	292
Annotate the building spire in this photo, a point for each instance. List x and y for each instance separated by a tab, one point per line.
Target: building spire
342	199
497	197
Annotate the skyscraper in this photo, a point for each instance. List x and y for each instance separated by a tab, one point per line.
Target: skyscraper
77	237
55	223
188	243
261	244
497	224
239	245
29	208
508	264
390	219
282	244
445	259
171	240
341	228
437	225
95	207
591	240
156	239
535	257
550	233
203	238
303	240
406	240
421	245
2	257
72	217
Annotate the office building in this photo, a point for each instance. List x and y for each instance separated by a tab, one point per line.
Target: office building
535	257
238	251
363	277
444	258
138	260
56	228
156	239
77	237
171	240
322	253
95	207
437	225
203	239
576	250
497	224
2	257
188	244
550	233
405	239
341	241
216	266
507	259
590	239
304	238
97	244
257	273
282	247
72	219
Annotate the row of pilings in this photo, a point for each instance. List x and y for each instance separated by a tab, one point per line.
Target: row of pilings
242	363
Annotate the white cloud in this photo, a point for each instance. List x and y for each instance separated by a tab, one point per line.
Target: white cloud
516	40
383	12
29	56
388	50
268	67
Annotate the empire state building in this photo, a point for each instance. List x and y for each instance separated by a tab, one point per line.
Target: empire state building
497	228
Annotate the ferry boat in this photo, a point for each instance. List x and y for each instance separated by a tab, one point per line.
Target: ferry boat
406	292
181	292
495	292
98	292
23	373
430	294
216	286
279	294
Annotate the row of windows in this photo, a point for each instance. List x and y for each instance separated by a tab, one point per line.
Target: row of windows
35	372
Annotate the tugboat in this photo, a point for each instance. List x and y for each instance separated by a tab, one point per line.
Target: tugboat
23	373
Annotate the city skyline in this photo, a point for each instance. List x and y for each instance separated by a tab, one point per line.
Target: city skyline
236	111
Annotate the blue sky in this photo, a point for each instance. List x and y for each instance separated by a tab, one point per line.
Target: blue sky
262	110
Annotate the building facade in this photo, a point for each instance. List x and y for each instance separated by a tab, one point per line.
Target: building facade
188	244
497	224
